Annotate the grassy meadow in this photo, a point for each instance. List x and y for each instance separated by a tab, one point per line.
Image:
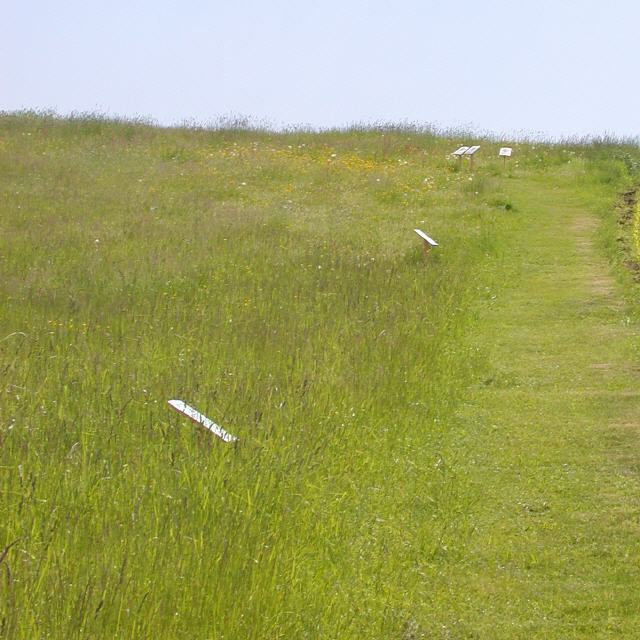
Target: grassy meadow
383	400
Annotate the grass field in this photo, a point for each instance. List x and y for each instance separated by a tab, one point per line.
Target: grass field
440	447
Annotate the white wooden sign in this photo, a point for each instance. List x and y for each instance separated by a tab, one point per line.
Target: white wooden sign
505	152
460	151
426	238
202	420
471	150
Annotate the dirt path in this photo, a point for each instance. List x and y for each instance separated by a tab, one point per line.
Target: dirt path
554	427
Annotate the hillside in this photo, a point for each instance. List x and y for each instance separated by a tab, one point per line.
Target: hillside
439	446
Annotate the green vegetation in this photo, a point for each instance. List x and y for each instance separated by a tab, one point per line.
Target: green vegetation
636	231
440	447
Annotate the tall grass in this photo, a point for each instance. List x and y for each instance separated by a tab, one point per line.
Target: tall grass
274	282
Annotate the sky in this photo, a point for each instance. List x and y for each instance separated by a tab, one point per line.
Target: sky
537	67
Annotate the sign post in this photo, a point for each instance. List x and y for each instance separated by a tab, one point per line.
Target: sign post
505	152
471	152
428	242
459	152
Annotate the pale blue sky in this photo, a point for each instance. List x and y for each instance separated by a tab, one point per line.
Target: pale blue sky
561	67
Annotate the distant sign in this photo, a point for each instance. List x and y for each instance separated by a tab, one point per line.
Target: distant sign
505	152
202	420
471	150
426	238
460	152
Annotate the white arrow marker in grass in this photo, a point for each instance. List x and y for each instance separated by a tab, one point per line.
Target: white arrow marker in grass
426	238
202	420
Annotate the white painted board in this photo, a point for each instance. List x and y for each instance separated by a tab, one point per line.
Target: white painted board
506	152
202	420
471	150
460	151
426	238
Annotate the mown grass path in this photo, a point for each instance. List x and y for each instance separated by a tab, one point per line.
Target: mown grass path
553	433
